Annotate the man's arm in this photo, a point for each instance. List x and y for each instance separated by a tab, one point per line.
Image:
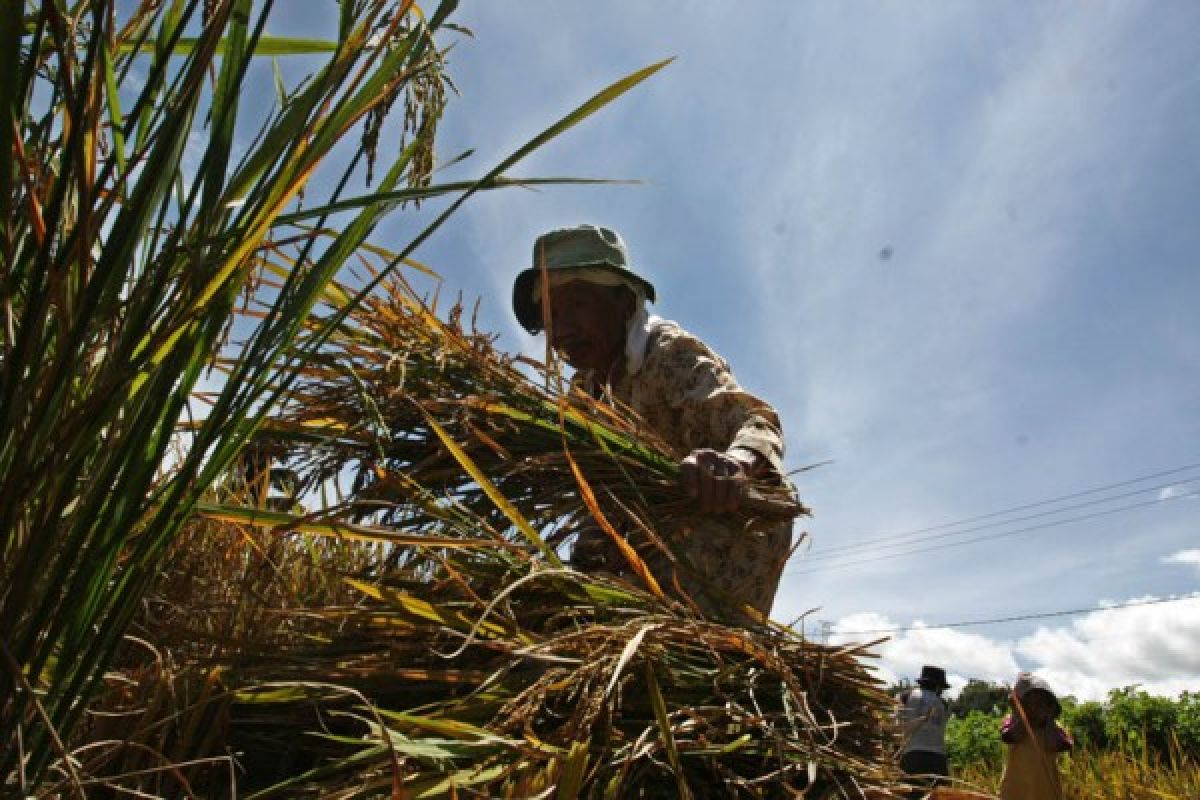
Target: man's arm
733	436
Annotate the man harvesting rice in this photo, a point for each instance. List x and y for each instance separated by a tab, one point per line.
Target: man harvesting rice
597	319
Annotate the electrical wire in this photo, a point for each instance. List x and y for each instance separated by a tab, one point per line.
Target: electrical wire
1017	618
988	537
1023	507
839	551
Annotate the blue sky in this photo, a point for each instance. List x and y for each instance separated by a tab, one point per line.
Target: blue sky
956	246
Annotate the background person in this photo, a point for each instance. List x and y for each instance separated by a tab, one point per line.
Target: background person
1034	742
923	716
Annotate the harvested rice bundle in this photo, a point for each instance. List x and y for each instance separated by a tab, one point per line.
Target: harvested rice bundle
570	681
426	418
487	666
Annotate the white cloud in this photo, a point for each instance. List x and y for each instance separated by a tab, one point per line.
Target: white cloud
1172	492
1155	646
1184	557
963	655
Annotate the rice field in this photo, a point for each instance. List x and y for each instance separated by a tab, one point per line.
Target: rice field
1109	775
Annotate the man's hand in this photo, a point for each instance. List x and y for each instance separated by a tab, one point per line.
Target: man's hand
717	480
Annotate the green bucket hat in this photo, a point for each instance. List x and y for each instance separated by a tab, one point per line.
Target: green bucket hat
572	249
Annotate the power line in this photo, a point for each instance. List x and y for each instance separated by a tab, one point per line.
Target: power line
1023	507
1000	535
1018	618
840	551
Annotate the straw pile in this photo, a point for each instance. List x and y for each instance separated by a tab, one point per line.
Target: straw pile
444	650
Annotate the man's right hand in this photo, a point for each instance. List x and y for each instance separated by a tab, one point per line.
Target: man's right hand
717	480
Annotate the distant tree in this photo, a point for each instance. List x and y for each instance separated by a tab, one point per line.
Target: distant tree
1142	723
1187	725
900	688
1086	723
981	696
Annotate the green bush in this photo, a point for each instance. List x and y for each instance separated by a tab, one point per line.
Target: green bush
1131	721
1187	725
974	739
1141	723
1086	722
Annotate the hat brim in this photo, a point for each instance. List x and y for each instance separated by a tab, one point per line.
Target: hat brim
933	678
529	311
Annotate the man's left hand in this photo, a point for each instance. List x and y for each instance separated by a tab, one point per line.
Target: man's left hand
717	480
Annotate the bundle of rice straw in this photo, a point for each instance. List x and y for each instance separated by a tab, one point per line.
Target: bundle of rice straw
455	655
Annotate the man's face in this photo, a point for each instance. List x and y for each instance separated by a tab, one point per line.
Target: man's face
587	323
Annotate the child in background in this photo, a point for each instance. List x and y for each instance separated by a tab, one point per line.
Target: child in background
1034	741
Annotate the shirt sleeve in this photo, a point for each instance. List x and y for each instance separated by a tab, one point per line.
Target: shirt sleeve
1010	729
714	411
1061	740
908	715
918	710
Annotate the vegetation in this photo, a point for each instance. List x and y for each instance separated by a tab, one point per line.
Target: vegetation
171	629
424	622
1134	745
130	227
978	695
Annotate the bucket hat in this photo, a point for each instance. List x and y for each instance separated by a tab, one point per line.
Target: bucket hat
574	249
934	676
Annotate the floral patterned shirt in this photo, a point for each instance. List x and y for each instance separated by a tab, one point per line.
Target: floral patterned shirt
687	394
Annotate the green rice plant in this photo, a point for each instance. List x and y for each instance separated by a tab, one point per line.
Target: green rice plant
140	204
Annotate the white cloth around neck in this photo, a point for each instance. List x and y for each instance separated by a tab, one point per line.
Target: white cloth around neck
640	325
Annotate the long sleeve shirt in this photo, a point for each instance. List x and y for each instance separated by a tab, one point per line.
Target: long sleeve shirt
923	720
688	396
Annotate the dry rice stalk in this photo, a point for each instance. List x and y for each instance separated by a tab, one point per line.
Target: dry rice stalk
473	664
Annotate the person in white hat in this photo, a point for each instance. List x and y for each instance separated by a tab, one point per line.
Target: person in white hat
596	318
1034	742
